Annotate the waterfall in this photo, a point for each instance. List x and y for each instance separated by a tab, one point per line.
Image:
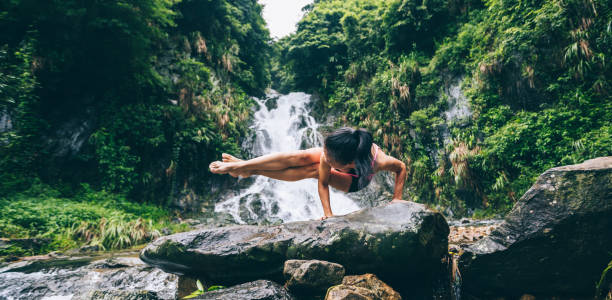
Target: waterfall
282	123
5	121
458	113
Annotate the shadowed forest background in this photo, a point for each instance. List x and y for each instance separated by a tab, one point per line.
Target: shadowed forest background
111	110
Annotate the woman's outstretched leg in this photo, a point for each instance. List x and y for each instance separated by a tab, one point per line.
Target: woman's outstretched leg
339	181
291	174
269	162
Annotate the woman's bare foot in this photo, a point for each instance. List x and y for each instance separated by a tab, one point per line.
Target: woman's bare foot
228	158
225	166
219	167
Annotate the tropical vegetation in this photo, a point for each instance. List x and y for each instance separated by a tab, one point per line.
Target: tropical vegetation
133	99
111	110
534	75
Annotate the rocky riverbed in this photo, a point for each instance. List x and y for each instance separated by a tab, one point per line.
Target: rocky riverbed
78	276
385	240
555	243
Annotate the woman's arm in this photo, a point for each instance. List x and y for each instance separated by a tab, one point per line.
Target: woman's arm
324	175
390	163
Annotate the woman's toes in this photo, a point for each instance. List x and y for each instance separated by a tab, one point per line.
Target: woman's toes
217	167
226	157
229	158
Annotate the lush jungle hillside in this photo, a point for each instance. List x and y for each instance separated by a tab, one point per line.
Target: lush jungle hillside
109	103
535	76
111	110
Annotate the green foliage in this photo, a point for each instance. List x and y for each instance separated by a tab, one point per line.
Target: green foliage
601	289
19	150
534	74
201	290
94	218
134	98
412	24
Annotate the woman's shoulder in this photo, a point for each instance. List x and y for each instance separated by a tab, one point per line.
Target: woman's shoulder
379	157
376	150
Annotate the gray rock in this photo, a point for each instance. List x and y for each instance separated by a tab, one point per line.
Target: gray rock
312	276
255	290
89	248
78	276
119	295
377	192
401	242
555	241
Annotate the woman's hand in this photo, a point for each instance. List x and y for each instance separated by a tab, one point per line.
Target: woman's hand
325	217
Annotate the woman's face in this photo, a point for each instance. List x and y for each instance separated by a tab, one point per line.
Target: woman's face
338	166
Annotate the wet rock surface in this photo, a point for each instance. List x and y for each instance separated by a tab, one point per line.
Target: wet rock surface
255	290
79	276
118	295
311	276
555	241
366	286
386	240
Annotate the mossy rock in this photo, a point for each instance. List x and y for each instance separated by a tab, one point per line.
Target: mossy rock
554	242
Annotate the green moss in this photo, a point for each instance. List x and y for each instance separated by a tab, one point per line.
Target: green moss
169	249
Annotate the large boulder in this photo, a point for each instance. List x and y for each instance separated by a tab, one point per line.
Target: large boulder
86	277
555	242
255	290
403	242
311	276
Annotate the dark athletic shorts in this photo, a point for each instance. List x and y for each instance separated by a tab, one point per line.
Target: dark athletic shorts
354	185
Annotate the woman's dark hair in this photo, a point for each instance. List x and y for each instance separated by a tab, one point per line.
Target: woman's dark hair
346	145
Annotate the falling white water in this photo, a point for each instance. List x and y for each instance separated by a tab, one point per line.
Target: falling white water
286	127
458	104
458	113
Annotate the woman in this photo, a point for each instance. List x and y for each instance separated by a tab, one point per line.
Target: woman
347	162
